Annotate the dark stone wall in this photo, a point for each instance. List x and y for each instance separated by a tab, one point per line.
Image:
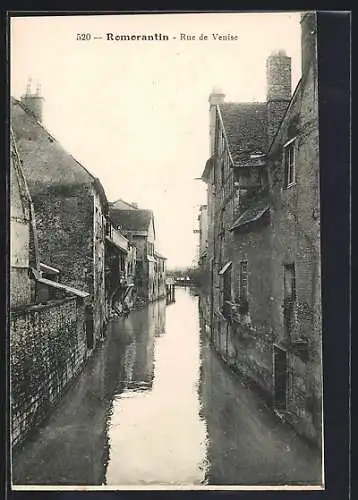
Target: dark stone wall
67	226
22	287
296	238
47	349
64	222
290	233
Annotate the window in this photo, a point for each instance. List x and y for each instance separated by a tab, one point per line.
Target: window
289	163
280	373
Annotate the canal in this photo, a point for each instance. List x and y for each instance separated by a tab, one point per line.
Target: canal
155	405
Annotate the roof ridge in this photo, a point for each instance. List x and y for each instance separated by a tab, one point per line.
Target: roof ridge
126	202
131	211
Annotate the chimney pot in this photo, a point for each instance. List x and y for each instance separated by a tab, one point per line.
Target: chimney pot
278	73
216	96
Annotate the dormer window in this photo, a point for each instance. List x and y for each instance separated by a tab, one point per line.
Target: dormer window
289	163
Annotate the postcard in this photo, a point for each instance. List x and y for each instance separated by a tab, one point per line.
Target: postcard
165	257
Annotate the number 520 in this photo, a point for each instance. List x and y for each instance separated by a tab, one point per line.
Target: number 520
83	36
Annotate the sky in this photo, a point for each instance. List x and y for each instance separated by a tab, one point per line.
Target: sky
135	113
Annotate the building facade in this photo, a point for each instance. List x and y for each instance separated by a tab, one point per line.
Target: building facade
138	227
160	275
71	210
47	328
262	304
120	271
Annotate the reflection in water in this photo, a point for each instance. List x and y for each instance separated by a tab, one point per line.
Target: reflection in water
157	436
247	444
156	405
131	346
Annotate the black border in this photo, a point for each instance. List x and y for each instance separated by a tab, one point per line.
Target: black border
334	61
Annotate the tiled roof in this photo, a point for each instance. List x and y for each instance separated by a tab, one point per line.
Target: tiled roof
245	125
44	161
255	212
131	220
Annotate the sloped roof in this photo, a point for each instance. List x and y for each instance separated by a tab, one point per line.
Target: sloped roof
44	161
123	205
245	125
131	220
297	94
20	195
208	165
255	212
60	286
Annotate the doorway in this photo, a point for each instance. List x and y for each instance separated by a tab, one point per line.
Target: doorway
280	373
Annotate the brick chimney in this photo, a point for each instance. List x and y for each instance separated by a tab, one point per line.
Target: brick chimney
278	74
216	97
33	100
308	40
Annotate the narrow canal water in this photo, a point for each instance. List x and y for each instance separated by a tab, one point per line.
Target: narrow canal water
155	432
156	406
